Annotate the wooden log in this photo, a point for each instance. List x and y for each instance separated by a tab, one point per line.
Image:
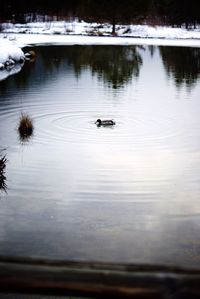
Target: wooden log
105	280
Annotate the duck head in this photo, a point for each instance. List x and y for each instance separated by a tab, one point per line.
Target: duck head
98	122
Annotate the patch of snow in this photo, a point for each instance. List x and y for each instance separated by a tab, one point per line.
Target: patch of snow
9	51
11	58
5	73
23	40
1	66
84	28
4	54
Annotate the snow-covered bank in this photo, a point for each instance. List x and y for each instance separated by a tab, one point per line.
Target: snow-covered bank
23	40
10	54
11	59
95	29
82	33
62	33
6	72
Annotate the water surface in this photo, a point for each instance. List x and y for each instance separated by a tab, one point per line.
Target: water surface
124	194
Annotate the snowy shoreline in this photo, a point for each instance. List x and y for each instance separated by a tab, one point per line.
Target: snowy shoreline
82	33
98	29
12	59
13	38
26	40
10	54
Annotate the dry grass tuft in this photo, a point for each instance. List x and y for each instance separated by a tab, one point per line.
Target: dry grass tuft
3	185
25	127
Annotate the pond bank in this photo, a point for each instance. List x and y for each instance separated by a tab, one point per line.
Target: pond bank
15	37
23	40
10	54
76	27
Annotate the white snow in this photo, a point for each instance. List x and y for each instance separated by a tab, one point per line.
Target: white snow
10	71
10	52
84	28
11	58
23	40
70	33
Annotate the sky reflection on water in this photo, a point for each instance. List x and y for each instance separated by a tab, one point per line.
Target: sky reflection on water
75	191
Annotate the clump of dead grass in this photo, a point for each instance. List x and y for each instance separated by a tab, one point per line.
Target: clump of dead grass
3	185
25	127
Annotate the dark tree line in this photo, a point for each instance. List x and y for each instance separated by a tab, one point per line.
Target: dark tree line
175	12
179	12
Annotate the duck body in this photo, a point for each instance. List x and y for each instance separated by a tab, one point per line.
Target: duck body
104	123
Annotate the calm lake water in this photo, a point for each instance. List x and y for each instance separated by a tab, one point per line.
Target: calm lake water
130	193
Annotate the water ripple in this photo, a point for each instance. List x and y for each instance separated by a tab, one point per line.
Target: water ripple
58	122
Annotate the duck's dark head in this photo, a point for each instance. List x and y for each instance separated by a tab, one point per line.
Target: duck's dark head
98	122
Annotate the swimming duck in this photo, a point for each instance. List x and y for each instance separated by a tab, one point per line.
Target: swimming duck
105	123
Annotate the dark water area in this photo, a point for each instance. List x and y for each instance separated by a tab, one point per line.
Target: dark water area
128	193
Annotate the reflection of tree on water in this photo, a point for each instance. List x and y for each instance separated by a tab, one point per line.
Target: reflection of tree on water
115	65
152	50
3	185
182	64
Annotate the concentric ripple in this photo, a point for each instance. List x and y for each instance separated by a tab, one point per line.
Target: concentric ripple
66	123
79	127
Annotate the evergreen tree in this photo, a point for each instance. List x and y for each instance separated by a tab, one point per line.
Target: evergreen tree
114	11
